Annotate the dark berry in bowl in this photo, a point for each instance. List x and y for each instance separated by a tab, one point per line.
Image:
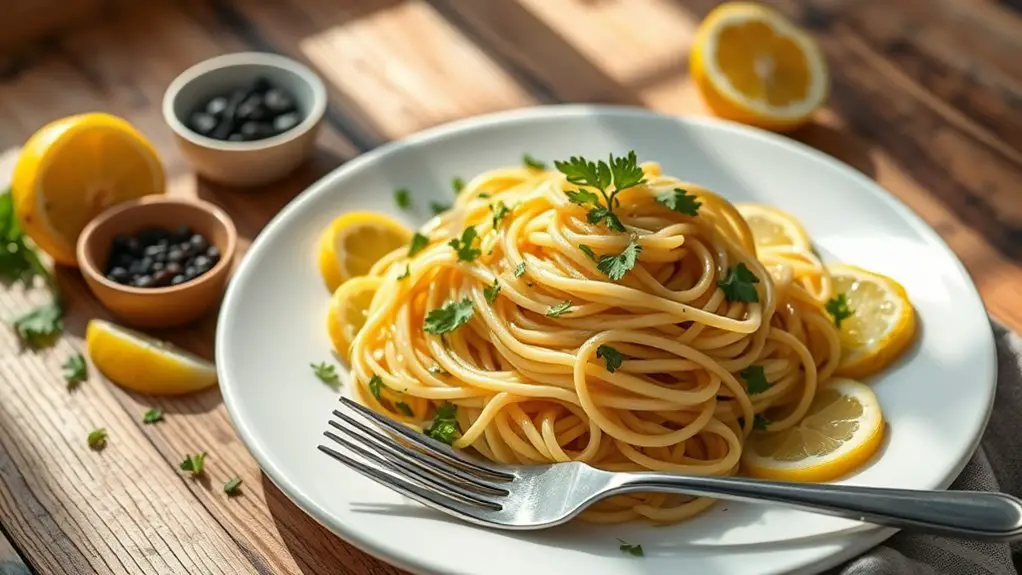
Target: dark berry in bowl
251	112
157	257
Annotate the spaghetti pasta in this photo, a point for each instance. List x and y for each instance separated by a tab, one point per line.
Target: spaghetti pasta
547	336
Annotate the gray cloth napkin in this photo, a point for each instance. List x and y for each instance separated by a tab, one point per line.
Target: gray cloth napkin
997	466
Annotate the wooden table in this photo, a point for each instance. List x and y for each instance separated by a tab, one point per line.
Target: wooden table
927	100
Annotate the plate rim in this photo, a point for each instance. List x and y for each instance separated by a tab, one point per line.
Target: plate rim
859	540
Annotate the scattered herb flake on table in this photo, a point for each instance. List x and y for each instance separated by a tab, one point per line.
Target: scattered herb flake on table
97	439
153	415
75	370
231	488
194	464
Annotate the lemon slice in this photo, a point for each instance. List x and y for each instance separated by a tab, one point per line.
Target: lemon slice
74	168
352	243
753	65
139	362
882	323
841	431
773	228
349	309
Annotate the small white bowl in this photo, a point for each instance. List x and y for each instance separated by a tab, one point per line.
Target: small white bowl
254	162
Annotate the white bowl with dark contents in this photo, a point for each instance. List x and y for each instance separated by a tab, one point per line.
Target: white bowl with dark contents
245	119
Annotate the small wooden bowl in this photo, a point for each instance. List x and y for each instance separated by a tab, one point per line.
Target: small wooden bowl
160	306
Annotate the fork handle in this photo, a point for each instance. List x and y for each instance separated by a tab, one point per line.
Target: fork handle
972	514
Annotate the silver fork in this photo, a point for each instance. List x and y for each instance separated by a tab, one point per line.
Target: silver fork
541	496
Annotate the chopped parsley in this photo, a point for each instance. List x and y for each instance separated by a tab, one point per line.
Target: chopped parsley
491	292
408	272
838	309
617	173
759	422
533	163
498	211
738	284
630	549
438	208
616	266
559	309
404	408
457	184
375	385
231	487
327	373
194	464
153	415
520	270
588	251
444	427
75	370
449	317
403	198
610	356
755	379
463	246
97	439
419	243
680	201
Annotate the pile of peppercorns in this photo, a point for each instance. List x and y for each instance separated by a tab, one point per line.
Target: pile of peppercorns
258	111
156	257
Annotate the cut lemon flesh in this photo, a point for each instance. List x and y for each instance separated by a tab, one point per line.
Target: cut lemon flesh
142	363
349	309
882	324
354	242
842	430
773	228
73	169
753	65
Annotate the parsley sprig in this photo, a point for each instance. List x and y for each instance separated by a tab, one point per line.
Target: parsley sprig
838	309
609	178
444	426
739	284
463	246
449	317
680	201
616	266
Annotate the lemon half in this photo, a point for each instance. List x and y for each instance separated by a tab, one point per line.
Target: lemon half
355	241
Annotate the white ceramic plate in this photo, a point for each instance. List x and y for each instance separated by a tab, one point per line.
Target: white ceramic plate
271	328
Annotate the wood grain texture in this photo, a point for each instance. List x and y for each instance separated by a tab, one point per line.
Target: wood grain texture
927	100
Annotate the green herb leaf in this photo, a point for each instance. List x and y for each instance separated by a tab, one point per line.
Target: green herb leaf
483	196
41	325
616	266
444	426
559	309
457	184
520	270
463	245
498	212
491	292
583	198
403	198
838	309
438	208
533	163
231	487
19	261
626	171
153	415
195	464
739	284
582	172
755	379
97	439
760	422
404	408
588	251
611	357
630	549
375	385
75	370
408	272
450	317
680	201
327	373
419	243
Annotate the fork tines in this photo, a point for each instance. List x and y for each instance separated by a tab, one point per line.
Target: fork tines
413	464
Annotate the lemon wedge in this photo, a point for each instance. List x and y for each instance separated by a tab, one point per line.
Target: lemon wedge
355	241
773	228
882	323
752	65
74	168
842	430
139	362
349	309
